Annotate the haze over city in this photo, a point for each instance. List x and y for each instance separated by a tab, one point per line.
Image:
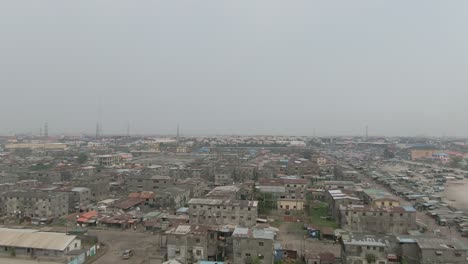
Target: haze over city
242	67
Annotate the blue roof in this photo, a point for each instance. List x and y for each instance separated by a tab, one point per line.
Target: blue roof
409	208
182	210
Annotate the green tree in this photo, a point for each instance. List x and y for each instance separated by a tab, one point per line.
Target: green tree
455	162
82	158
370	258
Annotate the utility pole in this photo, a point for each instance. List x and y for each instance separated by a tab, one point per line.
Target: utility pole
367	133
46	131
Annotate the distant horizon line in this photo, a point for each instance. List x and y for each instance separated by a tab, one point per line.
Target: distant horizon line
227	135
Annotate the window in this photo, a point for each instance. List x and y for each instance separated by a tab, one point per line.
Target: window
248	208
198	252
233	217
364	214
381	249
197	240
247	254
260	256
76	245
391	204
260	244
212	235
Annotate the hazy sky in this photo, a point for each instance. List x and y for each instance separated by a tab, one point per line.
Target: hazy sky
235	67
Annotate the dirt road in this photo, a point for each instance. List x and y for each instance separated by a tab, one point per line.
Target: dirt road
118	241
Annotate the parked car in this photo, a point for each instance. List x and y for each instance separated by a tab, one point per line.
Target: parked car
127	254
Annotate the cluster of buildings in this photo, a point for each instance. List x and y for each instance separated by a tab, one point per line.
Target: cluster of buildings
214	199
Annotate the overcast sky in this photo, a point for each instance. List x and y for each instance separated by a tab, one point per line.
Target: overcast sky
235	67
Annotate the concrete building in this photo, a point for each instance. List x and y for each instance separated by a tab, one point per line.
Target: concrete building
380	220
107	160
359	248
192	243
336	198
378	197
430	249
138	183
80	196
223	179
290	204
35	204
222	212
251	245
29	243
422	153
288	187
225	192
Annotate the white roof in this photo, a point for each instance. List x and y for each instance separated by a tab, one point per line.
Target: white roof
29	238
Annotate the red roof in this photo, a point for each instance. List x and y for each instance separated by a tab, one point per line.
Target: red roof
82	220
89	214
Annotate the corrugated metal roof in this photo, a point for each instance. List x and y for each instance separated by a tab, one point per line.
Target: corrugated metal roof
34	239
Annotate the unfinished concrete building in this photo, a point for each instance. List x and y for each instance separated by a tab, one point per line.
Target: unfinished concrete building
37	204
252	246
222	212
380	220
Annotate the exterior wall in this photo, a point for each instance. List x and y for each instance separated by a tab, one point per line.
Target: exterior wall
447	256
245	250
223	179
290	204
37	252
421	153
351	254
187	248
146	183
378	222
222	215
36	205
386	203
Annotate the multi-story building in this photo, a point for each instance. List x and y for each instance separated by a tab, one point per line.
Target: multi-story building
431	249
359	248
380	220
38	204
223	211
152	183
252	246
335	198
378	197
107	160
191	243
223	179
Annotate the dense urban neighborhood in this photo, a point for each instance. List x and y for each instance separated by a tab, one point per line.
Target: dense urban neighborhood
233	199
